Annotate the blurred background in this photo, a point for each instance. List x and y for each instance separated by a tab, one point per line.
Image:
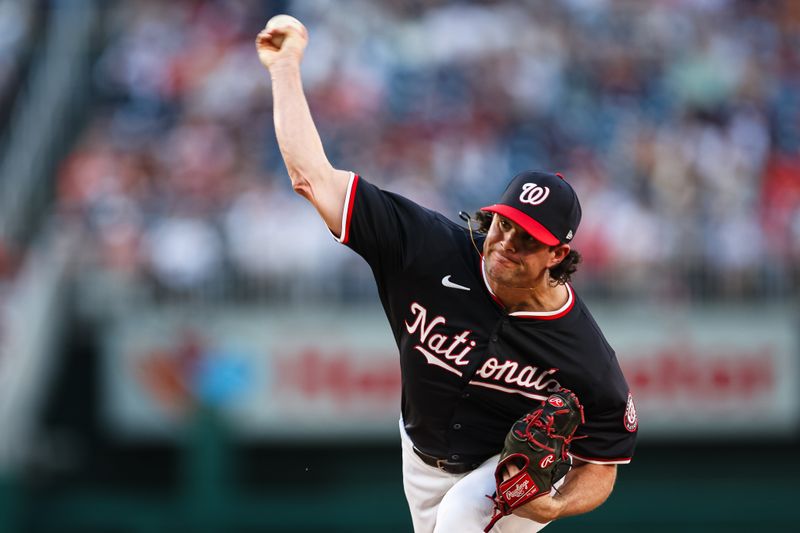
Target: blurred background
183	346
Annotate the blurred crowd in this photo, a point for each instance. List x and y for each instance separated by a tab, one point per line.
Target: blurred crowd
678	122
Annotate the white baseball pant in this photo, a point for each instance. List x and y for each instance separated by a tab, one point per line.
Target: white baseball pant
454	503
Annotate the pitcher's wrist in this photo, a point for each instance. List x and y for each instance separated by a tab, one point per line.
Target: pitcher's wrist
283	67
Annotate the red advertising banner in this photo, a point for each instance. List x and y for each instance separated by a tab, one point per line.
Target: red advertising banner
336	375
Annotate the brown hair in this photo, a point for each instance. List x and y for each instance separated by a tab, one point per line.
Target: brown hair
560	274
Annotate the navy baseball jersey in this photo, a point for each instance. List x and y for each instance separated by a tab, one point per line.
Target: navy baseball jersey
469	368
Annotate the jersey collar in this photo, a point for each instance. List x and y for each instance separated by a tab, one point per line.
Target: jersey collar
538	315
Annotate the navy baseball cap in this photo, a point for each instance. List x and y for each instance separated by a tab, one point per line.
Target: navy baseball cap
543	204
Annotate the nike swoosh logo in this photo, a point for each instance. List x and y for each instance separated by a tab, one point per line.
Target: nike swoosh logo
447	283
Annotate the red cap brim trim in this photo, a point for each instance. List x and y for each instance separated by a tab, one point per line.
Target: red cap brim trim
538	231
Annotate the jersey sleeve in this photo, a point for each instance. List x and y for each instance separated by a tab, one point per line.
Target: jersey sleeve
387	229
611	426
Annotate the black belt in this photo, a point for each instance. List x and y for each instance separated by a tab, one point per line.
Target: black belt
445	465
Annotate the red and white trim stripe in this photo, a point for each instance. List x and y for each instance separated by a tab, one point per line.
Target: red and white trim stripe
598	461
539	315
347	211
550	315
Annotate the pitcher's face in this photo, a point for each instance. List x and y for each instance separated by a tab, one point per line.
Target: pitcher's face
514	259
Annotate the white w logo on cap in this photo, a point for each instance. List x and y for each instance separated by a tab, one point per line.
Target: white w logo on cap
533	194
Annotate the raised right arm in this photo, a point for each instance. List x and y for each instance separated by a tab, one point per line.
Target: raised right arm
280	48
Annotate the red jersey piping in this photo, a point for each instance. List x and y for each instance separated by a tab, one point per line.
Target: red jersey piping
347	211
537	315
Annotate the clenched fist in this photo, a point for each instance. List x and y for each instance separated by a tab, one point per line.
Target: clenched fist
283	39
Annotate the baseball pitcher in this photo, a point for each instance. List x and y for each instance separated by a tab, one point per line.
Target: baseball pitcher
514	409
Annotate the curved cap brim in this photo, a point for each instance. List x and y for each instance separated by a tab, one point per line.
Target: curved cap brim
530	225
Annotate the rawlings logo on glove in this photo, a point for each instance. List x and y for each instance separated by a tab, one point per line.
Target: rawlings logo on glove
537	444
520	490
